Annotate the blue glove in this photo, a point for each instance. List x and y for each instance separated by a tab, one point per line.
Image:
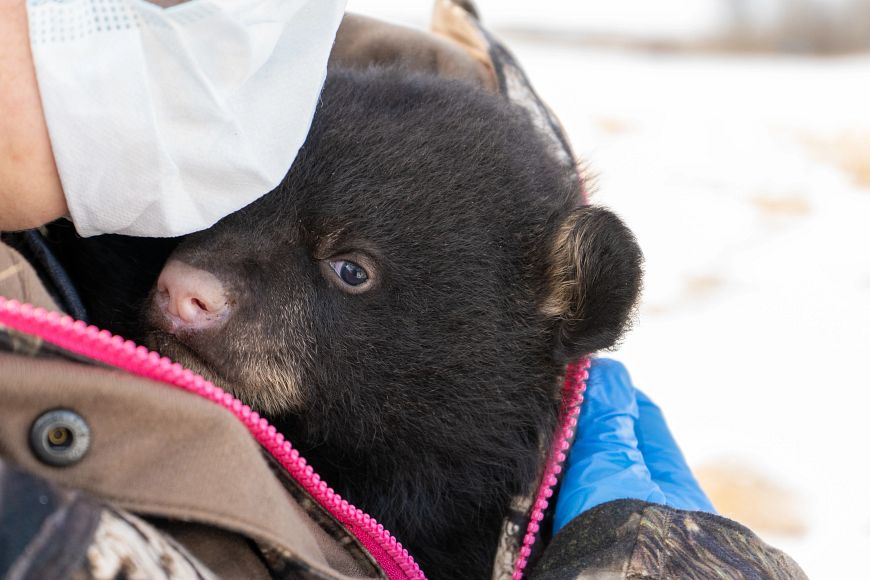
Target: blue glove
623	450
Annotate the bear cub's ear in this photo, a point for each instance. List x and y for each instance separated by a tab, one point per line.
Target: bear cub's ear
594	281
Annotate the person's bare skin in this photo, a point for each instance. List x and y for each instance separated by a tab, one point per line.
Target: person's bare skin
30	188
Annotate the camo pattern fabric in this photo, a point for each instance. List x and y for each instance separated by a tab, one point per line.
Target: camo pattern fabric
631	539
50	532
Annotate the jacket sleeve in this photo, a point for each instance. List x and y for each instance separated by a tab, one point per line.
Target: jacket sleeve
635	539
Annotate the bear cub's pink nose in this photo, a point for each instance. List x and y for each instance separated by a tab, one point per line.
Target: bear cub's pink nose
190	298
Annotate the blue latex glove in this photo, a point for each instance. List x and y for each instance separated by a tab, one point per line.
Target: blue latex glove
623	450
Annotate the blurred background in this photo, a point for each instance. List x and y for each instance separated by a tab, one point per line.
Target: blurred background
734	138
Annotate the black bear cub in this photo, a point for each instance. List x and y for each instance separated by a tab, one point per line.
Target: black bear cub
402	306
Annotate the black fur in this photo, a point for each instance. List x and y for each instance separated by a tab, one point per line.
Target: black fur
425	400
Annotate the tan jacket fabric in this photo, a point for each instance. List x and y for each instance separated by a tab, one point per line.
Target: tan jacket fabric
157	451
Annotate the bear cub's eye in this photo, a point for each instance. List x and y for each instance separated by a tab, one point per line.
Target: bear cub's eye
349	272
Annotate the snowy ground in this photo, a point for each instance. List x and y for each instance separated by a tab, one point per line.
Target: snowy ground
755	322
747	181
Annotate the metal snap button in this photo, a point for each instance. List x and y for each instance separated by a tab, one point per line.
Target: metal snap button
60	437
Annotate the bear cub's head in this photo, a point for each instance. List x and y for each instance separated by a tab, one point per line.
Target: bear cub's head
404	303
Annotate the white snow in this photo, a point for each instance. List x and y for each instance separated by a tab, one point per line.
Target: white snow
754	332
648	19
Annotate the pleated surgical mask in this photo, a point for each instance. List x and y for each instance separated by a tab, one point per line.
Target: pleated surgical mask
162	121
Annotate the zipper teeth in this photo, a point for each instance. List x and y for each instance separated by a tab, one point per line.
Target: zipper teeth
576	374
101	345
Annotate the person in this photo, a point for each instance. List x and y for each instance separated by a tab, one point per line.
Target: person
628	505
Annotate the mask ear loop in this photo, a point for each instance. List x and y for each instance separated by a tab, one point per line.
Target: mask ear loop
576	375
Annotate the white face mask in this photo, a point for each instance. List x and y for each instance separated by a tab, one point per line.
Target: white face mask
163	121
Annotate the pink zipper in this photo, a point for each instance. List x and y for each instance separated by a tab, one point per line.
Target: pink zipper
100	345
576	374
